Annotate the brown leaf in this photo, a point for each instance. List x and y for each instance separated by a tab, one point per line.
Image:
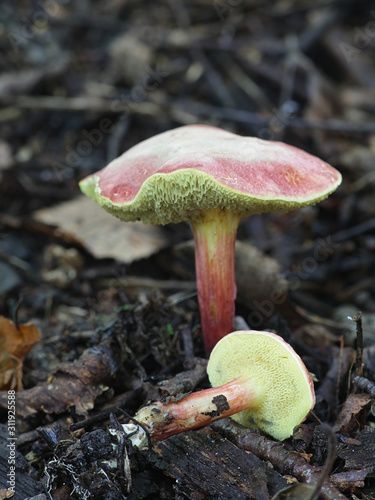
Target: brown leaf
350	415
102	234
15	343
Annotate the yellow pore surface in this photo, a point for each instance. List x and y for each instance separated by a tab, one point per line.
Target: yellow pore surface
283	387
182	195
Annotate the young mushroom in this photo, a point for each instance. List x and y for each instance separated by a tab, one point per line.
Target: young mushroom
258	380
213	179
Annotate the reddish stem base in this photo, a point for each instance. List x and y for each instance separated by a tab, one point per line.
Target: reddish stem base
196	410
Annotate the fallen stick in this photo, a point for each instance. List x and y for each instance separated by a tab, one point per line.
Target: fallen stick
286	462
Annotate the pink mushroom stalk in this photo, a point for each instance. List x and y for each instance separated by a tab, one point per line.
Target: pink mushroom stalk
265	386
196	410
215	235
213	179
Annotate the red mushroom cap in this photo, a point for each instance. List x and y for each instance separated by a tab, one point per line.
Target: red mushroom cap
173	175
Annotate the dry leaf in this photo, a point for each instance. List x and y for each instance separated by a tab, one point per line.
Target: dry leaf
6	494
15	343
102	234
350	416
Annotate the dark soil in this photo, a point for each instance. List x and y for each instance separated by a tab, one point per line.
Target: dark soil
80	83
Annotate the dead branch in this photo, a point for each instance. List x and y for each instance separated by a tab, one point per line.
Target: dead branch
286	462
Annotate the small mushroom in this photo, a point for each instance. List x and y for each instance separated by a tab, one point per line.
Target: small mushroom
258	379
213	179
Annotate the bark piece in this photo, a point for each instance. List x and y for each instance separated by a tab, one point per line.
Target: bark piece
350	480
356	456
206	466
335	377
77	383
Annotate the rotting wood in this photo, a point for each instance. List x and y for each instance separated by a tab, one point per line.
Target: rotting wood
206	465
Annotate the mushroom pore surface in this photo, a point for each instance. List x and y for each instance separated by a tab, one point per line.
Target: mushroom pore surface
283	386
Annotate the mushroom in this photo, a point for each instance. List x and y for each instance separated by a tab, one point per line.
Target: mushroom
213	179
258	380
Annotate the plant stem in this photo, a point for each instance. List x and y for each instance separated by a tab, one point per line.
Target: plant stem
196	410
215	235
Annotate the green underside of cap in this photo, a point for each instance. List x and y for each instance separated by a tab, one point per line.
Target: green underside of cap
273	369
182	195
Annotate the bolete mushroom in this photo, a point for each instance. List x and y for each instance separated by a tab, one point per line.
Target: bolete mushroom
258	379
213	179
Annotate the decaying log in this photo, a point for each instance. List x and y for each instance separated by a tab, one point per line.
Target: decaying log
207	466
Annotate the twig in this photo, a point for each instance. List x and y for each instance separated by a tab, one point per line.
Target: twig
286	462
364	384
331	455
309	491
353	231
315	33
359	361
130	282
244	81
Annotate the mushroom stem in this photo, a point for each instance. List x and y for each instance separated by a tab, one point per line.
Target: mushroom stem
215	235
197	409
